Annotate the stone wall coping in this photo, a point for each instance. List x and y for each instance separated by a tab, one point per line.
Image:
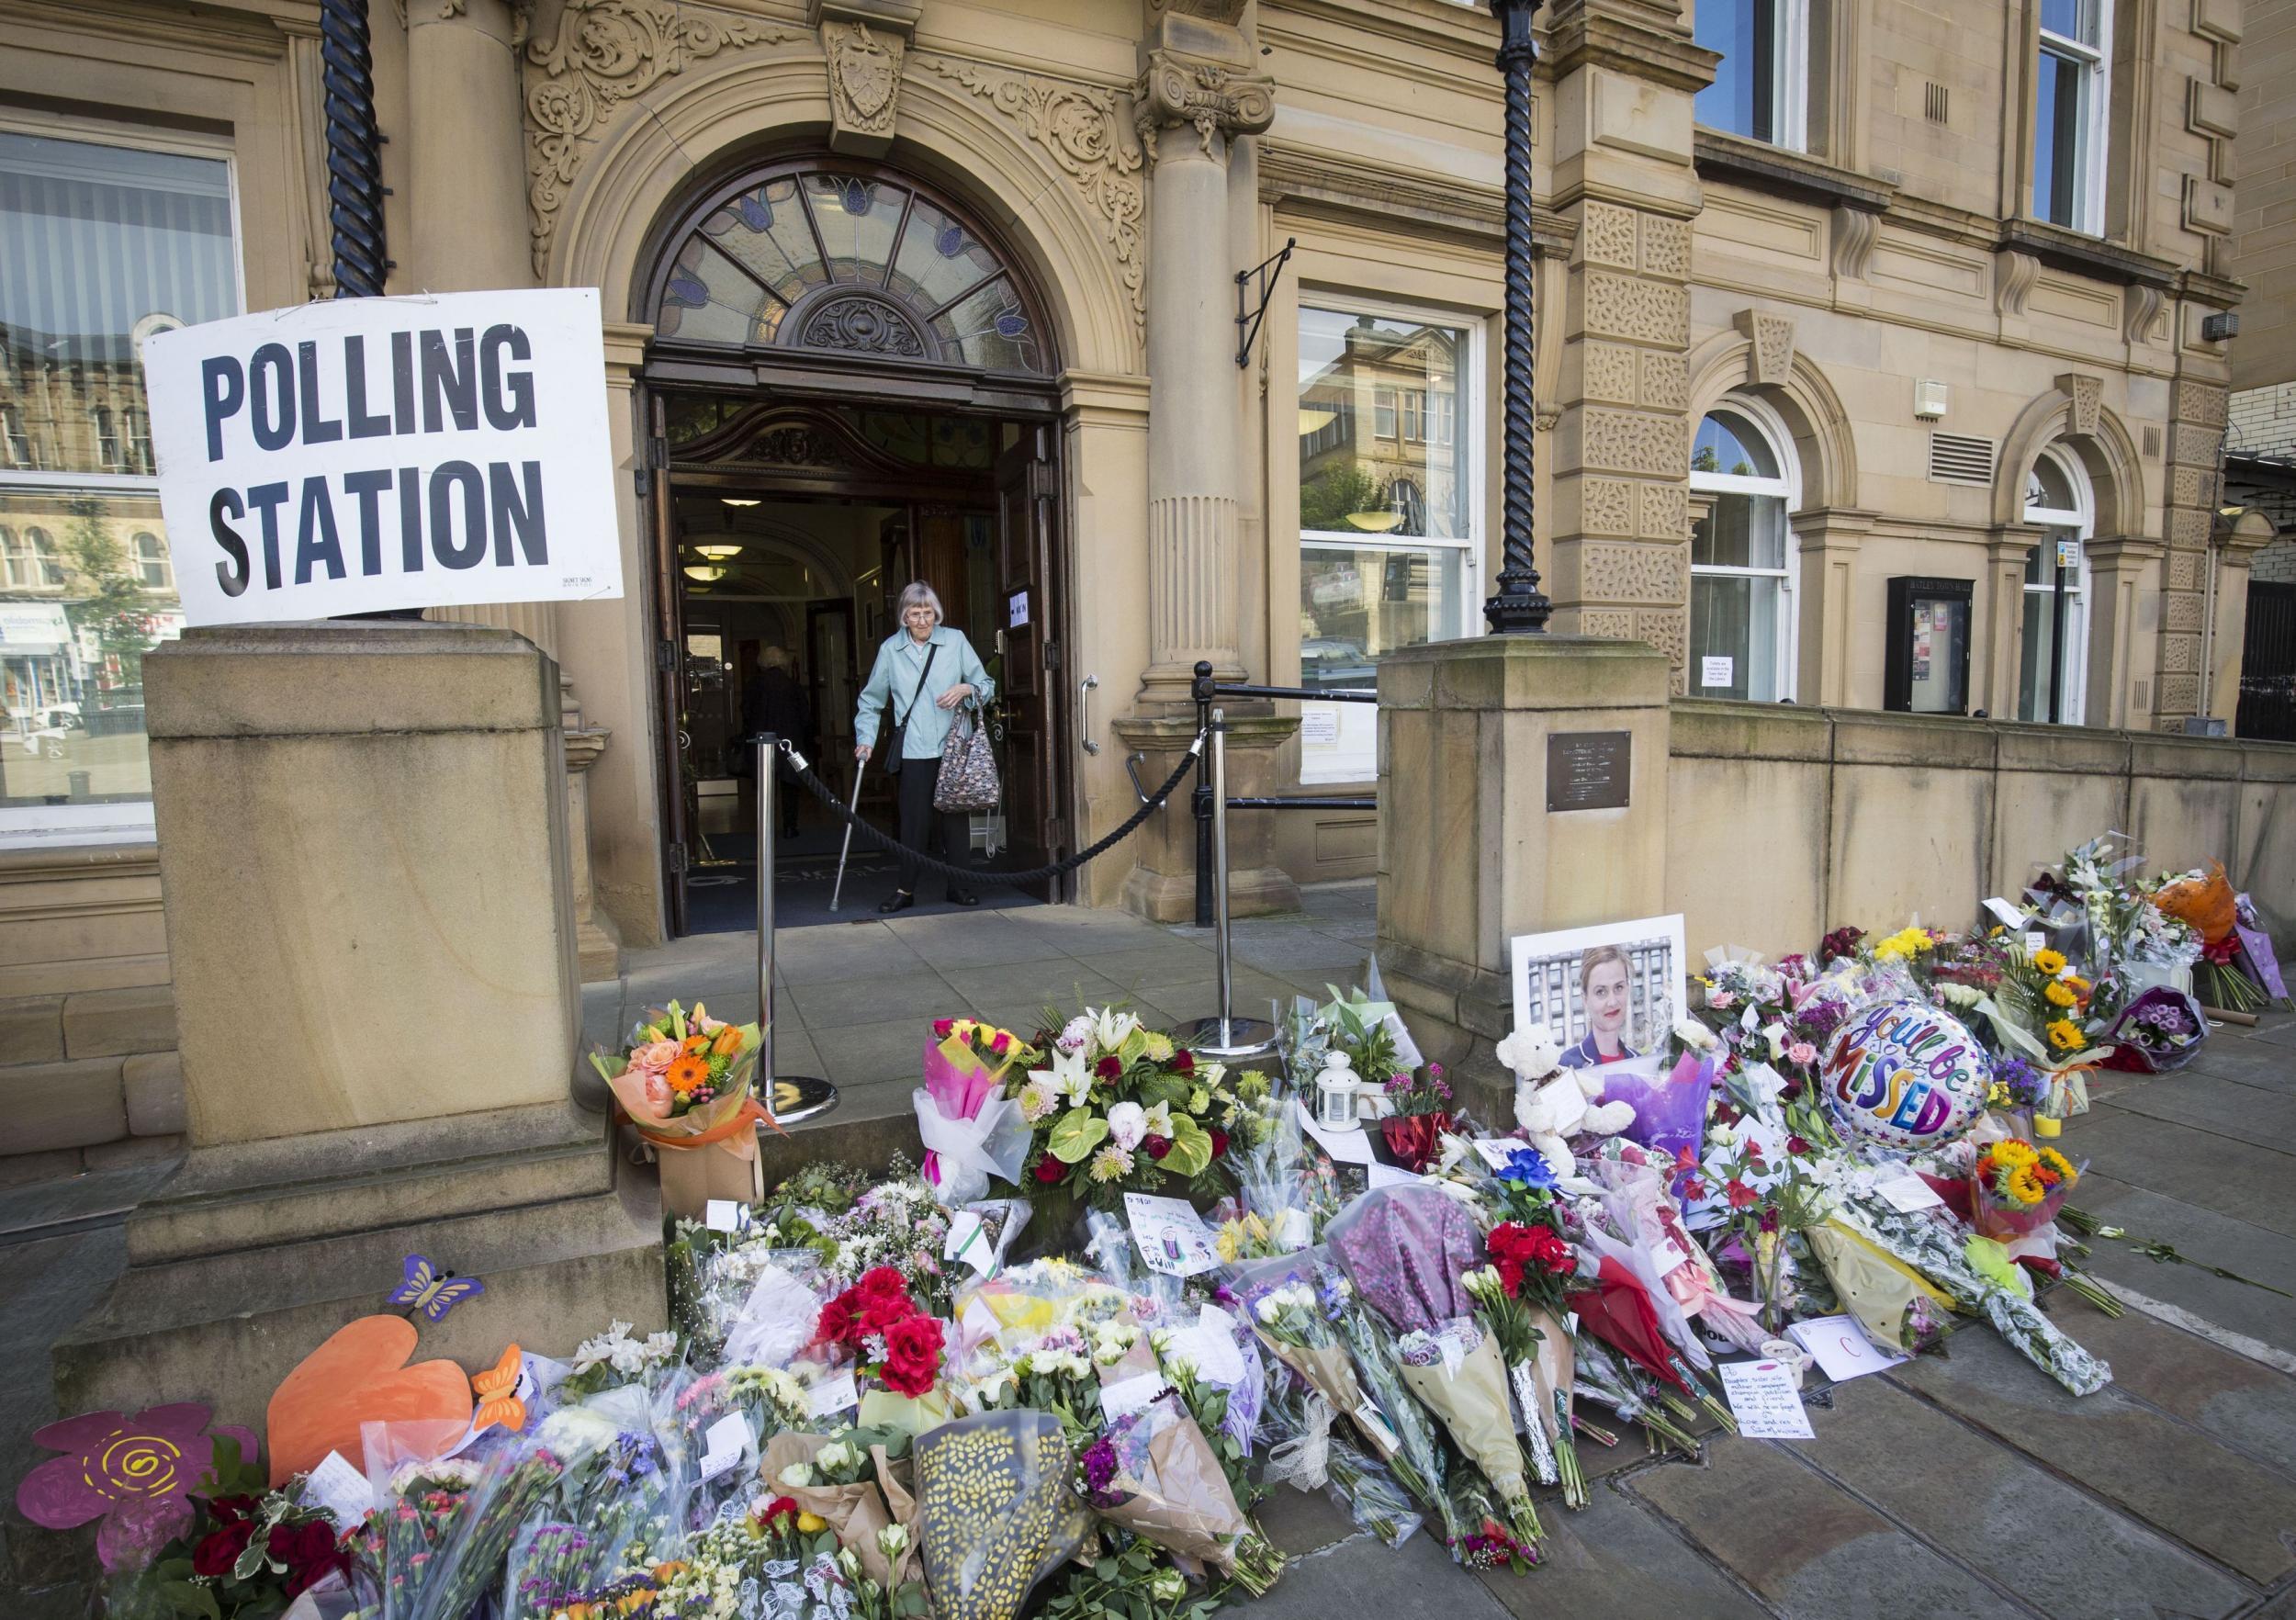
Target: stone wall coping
317	680
28	862
1717	729
1528	673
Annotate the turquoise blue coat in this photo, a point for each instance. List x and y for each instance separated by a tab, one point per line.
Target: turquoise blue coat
894	678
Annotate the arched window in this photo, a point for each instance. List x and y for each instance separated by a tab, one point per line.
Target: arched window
16	560
151	560
2053	671
44	553
1743	480
850	263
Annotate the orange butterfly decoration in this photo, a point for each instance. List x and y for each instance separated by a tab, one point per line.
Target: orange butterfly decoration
498	1394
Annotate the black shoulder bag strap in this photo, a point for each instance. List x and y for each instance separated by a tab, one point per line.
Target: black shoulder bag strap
900	732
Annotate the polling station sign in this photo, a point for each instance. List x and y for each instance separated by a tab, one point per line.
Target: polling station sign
364	454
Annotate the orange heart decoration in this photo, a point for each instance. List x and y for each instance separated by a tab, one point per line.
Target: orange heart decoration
360	1375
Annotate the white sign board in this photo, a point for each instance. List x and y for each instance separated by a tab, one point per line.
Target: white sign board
1717	671
364	454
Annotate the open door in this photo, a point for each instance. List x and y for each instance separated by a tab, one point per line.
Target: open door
1028	554
669	662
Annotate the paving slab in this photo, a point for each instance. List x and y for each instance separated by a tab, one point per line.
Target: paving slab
1990	1509
2201	1235
827	956
2171	1476
2249	1059
1064	983
868	997
858	1054
2246	1404
1302	1522
1615	1561
2212	1172
1804	1546
2206	1102
1359	1577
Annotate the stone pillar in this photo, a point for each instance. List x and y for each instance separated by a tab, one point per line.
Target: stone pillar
2119	570
465	159
1198	90
1469	853
2238	539
1622	169
1826	540
2196	434
597	949
1999	611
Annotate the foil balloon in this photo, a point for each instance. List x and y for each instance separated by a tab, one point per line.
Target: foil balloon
1906	1076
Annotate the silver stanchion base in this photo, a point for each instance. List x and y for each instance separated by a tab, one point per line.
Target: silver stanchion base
799	1097
1247	1038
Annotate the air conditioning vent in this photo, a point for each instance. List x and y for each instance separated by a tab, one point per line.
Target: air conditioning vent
1957	458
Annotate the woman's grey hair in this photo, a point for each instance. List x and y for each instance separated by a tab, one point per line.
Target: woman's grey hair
917	593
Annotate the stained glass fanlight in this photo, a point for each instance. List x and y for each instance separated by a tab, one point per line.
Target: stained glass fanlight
856	265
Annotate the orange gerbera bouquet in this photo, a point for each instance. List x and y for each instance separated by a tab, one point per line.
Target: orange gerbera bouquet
2017	1187
684	1079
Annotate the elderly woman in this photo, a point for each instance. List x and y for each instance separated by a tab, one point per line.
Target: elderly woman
923	672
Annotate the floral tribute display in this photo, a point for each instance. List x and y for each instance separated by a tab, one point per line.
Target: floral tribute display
1057	1368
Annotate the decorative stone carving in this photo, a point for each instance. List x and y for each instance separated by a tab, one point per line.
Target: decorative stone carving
1668	629
1665	380
2187	486
2180	654
1606	236
2189	441
1666	247
1664	511
1606	506
1771	361
1610	624
2177	694
2088	395
2181	570
2201	402
606	51
2181	609
864	324
1217	101
1633	573
864	85
1081	129
792	445
1854	233
2187	528
1627	441
1631	306
2013	277
2140	312
1609	371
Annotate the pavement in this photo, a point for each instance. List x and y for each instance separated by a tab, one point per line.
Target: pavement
1970	1485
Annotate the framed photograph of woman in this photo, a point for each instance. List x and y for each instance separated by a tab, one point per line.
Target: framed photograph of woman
1609	993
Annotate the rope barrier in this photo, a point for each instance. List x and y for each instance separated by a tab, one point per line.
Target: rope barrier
970	874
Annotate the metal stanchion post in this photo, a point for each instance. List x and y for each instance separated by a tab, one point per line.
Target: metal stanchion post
791	1097
1223	1035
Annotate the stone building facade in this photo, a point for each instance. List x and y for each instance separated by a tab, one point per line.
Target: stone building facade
1831	294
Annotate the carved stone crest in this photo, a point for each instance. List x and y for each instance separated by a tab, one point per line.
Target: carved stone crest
864	85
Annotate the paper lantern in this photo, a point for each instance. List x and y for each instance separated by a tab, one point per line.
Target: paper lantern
1906	1076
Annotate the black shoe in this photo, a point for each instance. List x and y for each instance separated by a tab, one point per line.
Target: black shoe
964	897
899	900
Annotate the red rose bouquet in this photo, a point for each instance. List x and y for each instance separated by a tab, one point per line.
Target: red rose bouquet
895	1342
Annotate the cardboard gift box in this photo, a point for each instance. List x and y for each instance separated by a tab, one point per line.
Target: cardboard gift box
690	1178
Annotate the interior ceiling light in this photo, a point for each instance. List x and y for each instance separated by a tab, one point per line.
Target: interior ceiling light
704	572
1371	522
718	553
1314	419
737	500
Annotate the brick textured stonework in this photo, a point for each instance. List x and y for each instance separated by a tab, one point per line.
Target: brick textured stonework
2181	570
1635	573
2177	696
1607	235
2180	651
2180	611
1665	380
1611	624
1664	511
2275	564
1606	506
1625	441
1609	372
1666	247
2264	419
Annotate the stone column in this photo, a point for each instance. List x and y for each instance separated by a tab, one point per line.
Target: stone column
1199	91
1999	612
2118	570
466	157
597	949
2196	431
1622	169
2238	539
1826	540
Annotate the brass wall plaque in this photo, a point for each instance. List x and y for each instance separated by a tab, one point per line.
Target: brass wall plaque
1588	769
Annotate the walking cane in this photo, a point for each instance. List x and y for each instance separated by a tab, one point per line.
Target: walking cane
837	889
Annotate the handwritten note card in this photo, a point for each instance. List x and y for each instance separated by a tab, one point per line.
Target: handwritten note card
1764	1400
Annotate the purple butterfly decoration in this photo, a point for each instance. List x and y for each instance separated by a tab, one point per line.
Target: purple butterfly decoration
431	1291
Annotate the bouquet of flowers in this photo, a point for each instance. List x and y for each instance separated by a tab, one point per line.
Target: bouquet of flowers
2156	1032
765	1400
1517	1299
877	1323
972	1130
1293	1304
1152	1472
1307	1456
2238	969
611	1359
246	1551
996	1511
613	1500
684	1081
1120	1109
2016	1188
420	1502
1421	1105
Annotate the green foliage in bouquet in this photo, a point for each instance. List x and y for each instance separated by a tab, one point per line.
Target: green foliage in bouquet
1134	1584
249	1551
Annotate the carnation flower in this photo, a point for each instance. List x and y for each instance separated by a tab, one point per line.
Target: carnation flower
1695	1035
1110	1164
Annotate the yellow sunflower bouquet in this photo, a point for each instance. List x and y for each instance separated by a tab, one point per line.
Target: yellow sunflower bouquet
2017	1187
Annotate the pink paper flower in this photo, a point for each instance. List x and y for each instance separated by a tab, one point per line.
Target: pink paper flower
130	1472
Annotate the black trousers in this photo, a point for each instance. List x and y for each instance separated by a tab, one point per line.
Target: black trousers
919	819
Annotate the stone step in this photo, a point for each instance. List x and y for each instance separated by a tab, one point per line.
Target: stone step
246	1196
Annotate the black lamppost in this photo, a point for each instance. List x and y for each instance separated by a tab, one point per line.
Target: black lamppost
355	165
1520	608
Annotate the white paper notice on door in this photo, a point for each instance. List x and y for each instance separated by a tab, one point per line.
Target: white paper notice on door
1717	671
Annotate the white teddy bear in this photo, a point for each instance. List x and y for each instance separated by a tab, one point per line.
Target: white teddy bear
1555	1104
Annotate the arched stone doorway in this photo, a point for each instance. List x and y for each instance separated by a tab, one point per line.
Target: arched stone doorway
849	385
